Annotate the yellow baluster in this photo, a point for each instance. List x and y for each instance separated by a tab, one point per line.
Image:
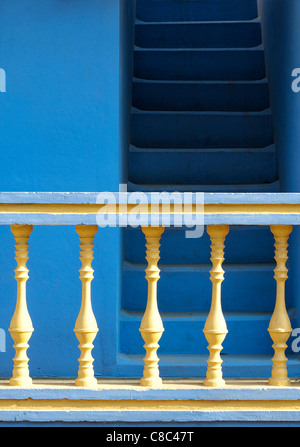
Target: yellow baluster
215	329
21	327
280	325
86	327
152	325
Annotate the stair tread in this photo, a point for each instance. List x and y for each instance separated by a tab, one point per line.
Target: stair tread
196	315
182	316
259	48
137	111
201	82
250	359
246	266
270	148
139	22
265	187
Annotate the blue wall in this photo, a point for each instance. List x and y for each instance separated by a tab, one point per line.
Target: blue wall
64	127
281	36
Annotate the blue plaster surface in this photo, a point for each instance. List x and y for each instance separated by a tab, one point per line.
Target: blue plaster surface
281	37
63	129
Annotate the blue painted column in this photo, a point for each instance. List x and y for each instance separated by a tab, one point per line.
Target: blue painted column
281	36
63	127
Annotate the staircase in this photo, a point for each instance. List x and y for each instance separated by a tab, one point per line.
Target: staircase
201	121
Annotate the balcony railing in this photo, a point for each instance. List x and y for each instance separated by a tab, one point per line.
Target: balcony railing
23	211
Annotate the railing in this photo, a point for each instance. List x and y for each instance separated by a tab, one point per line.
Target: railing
25	210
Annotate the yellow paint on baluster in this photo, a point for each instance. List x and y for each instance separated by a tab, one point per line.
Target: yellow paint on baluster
215	329
86	327
280	325
152	325
21	327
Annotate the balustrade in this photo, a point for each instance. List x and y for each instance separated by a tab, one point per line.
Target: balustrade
151	328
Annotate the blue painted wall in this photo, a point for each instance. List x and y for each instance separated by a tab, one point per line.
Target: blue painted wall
63	127
281	36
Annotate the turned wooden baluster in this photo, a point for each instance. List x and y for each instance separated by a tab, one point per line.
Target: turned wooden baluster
86	327
280	325
21	327
215	329
152	325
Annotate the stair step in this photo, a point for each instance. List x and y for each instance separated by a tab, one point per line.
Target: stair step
234	366
198	35
266	187
247	334
253	244
187	288
203	64
180	10
202	166
200	122
201	129
200	96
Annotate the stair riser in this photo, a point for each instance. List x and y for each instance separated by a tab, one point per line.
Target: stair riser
243	244
245	337
200	97
158	130
259	187
196	367
224	65
230	35
215	168
190	291
171	10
